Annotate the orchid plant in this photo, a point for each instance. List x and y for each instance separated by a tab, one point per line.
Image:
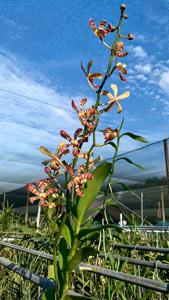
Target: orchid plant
68	203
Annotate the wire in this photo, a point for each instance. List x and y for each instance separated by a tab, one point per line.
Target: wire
58	107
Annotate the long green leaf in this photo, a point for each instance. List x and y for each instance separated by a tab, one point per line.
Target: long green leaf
93	188
131	162
49	294
74	297
67	232
112	144
63	254
80	255
86	231
135	137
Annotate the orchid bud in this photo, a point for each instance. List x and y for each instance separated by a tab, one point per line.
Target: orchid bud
47	170
123	7
130	36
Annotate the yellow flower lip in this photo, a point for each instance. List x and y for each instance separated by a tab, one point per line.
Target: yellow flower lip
42	195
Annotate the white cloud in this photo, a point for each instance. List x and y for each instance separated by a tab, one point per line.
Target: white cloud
164	82
143	68
138	52
26	124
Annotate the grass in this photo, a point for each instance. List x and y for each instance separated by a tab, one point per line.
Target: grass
14	287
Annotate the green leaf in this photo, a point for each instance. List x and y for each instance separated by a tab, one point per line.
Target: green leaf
86	231
135	137
51	212
63	254
112	144
80	255
76	297
93	188
49	294
131	162
67	233
51	271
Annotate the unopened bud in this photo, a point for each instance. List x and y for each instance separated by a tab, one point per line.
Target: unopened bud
123	7
113	28
126	17
130	36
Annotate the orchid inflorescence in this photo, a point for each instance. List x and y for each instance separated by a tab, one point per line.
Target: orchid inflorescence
77	177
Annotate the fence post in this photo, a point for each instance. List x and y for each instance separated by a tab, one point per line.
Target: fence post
27	208
162	204
159	210
142	208
38	217
4	198
166	160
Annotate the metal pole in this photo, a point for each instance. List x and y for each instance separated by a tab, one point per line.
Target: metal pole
162	204
38	217
27	208
142	208
4	197
121	220
166	160
159	210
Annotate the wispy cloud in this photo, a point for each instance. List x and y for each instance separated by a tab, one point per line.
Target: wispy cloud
26	123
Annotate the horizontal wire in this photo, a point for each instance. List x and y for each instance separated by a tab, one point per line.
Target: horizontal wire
55	106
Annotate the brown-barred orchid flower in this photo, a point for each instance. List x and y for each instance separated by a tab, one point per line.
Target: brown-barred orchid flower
86	117
55	162
77	144
122	70
114	99
119	50
101	31
78	181
91	77
110	134
39	188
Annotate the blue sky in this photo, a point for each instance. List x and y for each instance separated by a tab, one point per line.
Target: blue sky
41	46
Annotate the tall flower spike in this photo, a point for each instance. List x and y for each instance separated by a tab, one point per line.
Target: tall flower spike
114	99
